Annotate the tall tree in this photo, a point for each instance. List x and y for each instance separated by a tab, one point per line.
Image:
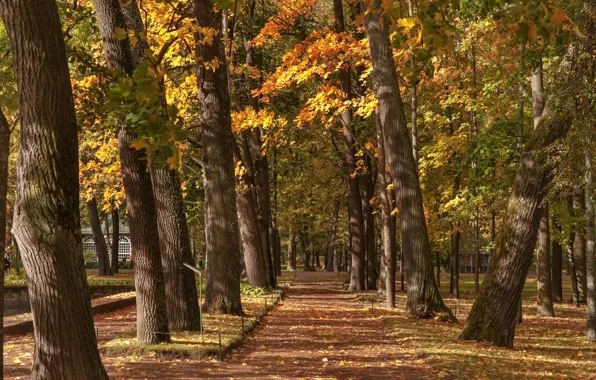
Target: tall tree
579	242
115	239
357	280
5	132
46	223
332	235
590	257
222	233
424	299
152	321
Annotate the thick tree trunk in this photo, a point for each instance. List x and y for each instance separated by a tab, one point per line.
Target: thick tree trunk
252	249
332	232
100	242
291	267
5	133
424	299
494	312
590	258
222	233
544	302
579	244
357	280
115	239
152	321
46	221
174	241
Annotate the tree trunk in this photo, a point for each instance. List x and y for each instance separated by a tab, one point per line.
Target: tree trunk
222	233
494	312
544	302
476	253
424	299
590	258
438	261
46	221
571	258
369	227
115	239
174	241
579	244
100	243
152	321
455	262
305	251
332	233
557	271
357	280
5	133
291	267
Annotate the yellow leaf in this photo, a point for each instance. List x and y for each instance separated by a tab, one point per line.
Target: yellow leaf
138	144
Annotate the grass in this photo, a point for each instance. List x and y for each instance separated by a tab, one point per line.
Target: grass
544	347
196	345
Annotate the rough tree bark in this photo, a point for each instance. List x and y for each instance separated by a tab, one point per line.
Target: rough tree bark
222	233
174	242
357	280
5	132
115	239
493	315
590	258
424	299
46	220
571	257
152	321
100	242
369	226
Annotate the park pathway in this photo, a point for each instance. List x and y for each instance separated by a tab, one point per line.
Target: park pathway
319	331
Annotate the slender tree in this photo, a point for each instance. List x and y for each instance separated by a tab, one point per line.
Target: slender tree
424	299
115	239
590	257
47	224
100	242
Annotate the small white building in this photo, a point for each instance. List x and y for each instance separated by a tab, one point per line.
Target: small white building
124	245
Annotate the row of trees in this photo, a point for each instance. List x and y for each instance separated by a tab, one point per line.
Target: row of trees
232	124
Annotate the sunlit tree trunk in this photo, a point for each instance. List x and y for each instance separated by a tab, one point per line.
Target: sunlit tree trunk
332	234
5	133
424	299
46	221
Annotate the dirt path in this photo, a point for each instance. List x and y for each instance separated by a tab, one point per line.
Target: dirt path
318	331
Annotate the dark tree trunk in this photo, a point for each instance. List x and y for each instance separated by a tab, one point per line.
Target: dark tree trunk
222	233
46	221
357	253
115	239
438	261
369	227
455	262
100	243
557	271
331	249
493	315
252	249
291	267
305	251
476	253
424	299
5	133
590	258
579	244
174	241
317	262
544	302
274	227
152	321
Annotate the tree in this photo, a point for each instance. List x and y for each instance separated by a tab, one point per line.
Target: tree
115	239
424	299
47	225
221	231
152	319
100	242
5	132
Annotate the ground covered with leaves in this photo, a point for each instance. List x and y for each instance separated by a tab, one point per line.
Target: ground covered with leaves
320	331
